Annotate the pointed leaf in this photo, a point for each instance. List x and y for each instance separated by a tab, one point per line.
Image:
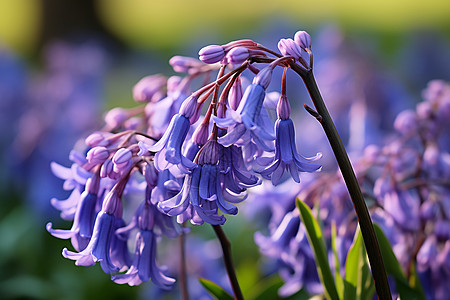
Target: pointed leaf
337	268
215	290
358	279
394	269
317	243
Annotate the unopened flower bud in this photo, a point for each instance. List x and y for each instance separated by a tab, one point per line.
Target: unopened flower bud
132	123
183	64
172	83
238	55
303	39
122	159
211	54
147	87
189	107
424	110
209	154
200	135
150	174
264	77
235	95
283	108
115	117
288	47
97	139
406	122
97	155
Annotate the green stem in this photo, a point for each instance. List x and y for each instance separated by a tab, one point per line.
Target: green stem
183	277
365	222
226	248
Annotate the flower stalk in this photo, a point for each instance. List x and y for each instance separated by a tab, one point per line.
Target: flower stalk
228	260
365	222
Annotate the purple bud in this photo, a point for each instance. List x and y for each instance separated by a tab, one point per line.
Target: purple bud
424	110
115	117
132	123
190	107
283	108
172	83
235	95
200	135
211	54
406	122
122	159
183	64
264	77
434	89
372	153
107	170
288	47
238	55
97	155
303	39
97	139
147	87
150	174
209	154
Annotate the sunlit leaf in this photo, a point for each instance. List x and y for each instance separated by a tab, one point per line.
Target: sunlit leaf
315	238
394	269
215	290
337	275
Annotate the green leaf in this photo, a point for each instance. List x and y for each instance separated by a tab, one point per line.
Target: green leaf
358	279
337	268
394	269
317	243
215	290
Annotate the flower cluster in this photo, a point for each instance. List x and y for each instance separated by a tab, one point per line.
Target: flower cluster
168	163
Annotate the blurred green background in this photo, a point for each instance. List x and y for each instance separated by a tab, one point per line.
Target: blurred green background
142	35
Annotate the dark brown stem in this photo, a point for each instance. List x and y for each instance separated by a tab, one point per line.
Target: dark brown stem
365	222
228	260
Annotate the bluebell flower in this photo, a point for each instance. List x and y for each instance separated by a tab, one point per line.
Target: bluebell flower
99	247
235	176
202	194
144	265
167	186
168	148
79	207
286	157
249	121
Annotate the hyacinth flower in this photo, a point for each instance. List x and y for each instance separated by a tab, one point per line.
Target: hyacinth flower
101	243
286	157
247	123
236	177
149	221
201	196
168	148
